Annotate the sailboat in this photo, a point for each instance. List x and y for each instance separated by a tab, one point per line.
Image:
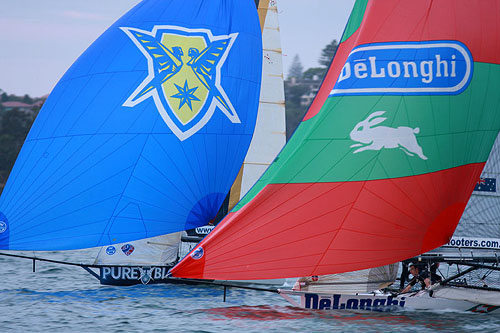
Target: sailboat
153	257
383	164
142	137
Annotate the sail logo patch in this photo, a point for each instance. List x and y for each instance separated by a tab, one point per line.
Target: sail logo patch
146	275
127	249
371	137
110	250
486	185
3	223
184	75
198	253
409	68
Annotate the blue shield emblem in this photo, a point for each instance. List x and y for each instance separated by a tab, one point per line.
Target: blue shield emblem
184	75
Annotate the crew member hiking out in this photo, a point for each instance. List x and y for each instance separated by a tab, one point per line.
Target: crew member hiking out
422	276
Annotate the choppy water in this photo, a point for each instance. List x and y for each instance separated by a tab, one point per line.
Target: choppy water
67	299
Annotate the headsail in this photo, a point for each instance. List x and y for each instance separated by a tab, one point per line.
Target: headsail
386	158
144	134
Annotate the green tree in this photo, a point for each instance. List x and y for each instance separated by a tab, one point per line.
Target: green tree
14	126
296	68
328	53
294	111
27	99
311	72
293	117
293	94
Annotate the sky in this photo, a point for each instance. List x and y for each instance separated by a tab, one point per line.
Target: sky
40	39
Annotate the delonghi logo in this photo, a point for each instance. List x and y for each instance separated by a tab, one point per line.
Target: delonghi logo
197	254
3	227
347	302
434	67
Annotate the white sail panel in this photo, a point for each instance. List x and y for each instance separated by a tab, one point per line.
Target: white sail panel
270	130
366	280
159	250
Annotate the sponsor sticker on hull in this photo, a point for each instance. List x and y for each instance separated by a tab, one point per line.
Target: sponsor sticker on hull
474	242
409	68
130	275
345	302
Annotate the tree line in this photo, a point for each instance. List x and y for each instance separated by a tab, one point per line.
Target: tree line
14	127
298	84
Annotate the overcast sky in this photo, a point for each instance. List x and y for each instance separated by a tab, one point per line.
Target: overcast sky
40	39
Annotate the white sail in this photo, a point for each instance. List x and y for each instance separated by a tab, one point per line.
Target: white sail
152	251
482	214
366	280
478	232
270	131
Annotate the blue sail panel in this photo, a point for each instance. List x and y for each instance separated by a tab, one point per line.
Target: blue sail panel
144	134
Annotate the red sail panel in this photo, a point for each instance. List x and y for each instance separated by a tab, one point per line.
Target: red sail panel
292	230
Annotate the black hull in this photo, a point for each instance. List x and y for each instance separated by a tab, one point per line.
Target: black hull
132	275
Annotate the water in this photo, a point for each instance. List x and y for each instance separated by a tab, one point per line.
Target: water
64	299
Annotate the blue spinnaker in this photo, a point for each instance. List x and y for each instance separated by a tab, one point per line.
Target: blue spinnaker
144	134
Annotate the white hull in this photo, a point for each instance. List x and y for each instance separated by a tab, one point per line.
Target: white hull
382	302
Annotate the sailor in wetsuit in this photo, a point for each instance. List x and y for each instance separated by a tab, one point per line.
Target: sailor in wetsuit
422	276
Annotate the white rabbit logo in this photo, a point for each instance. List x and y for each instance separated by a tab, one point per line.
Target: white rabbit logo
376	138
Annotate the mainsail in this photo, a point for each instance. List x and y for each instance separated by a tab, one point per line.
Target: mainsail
270	130
481	217
363	281
385	160
144	134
